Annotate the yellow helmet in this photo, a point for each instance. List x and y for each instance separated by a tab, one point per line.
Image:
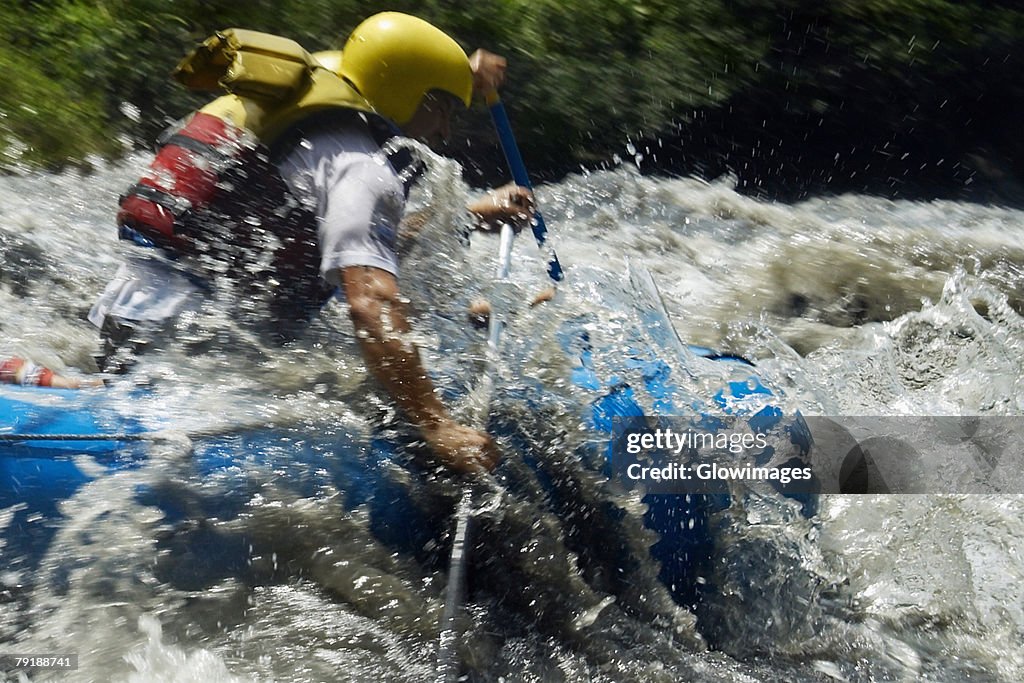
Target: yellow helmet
394	59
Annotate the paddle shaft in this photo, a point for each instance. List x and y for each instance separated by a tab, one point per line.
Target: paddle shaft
448	664
446	659
519	174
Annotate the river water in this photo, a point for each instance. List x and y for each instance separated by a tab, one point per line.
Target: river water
850	305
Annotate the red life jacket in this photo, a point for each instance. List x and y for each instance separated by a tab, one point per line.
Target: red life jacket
214	172
191	174
211	176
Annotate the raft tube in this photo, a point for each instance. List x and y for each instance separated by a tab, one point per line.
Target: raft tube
628	380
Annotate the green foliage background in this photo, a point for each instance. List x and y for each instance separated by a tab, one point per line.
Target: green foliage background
585	75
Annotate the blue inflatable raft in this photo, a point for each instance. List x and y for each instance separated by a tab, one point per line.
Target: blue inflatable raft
54	441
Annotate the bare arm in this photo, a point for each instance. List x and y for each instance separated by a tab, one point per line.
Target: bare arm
16	370
378	315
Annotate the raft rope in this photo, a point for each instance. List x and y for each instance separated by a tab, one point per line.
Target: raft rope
144	436
164	435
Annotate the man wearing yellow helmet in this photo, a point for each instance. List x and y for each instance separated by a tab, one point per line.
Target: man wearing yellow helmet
413	75
397	75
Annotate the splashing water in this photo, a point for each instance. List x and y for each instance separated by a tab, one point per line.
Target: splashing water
851	305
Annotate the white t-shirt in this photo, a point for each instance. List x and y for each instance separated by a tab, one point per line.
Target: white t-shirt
342	175
146	289
339	173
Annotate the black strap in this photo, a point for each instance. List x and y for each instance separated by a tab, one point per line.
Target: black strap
160	197
157	196
401	159
205	149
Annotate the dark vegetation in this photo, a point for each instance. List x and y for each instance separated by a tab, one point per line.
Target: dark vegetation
904	98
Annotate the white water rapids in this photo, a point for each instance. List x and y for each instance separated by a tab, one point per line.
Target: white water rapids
852	305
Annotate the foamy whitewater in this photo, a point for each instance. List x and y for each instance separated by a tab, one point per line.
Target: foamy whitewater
850	305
